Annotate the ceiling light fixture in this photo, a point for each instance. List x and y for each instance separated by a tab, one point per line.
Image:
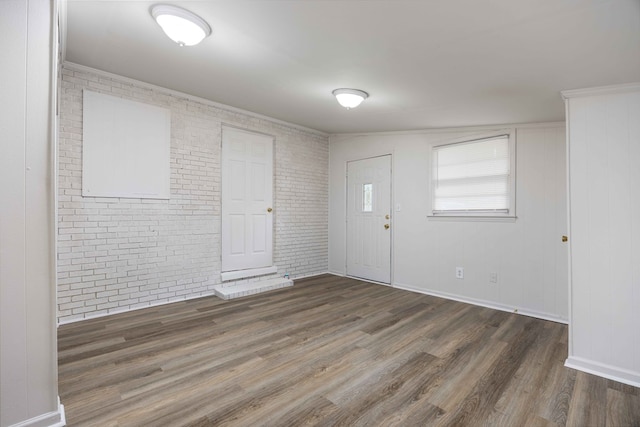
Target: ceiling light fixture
180	25
350	98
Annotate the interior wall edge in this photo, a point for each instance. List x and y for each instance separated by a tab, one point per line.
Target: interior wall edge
488	304
50	419
603	370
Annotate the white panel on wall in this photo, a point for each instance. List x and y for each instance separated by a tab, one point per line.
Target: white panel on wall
125	150
604	153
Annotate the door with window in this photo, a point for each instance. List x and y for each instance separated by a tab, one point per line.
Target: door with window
247	192
369	219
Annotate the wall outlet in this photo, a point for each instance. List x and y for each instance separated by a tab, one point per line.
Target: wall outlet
493	277
459	273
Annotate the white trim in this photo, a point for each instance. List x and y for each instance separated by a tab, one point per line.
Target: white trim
62	22
470	217
473	138
244	129
307	276
473	301
360	279
155	304
50	419
569	255
431	131
83	68
483	303
120	310
603	370
600	90
253	272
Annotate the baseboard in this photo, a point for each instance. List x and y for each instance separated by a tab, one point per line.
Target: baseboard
484	303
50	419
142	307
603	370
307	276
481	303
358	278
126	310
337	273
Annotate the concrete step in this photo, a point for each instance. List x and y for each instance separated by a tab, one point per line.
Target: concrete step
229	291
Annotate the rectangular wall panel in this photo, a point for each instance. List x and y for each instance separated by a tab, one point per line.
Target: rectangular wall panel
125	148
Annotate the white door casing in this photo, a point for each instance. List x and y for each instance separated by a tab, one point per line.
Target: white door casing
247	198
369	221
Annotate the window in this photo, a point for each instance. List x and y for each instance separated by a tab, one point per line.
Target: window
474	178
367	198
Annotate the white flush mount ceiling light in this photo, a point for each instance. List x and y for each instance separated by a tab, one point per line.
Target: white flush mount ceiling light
350	98
180	25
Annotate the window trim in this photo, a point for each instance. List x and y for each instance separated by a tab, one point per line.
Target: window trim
510	214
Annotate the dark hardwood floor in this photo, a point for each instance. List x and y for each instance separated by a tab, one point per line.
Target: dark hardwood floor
329	351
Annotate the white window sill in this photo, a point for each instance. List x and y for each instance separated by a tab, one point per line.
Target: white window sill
479	218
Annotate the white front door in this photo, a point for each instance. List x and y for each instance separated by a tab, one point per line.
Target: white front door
247	200
369	219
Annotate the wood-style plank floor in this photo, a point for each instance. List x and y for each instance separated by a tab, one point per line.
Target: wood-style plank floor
330	351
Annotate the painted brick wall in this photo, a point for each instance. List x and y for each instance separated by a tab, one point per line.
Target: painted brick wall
120	254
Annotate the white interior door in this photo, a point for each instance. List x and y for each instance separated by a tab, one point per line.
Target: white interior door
247	197
369	219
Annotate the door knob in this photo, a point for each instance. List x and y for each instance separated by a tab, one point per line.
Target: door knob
269	209
386	226
565	238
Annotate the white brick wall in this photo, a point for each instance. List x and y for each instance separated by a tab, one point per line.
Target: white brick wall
120	254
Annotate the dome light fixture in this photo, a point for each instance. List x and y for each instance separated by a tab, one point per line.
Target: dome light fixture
350	98
180	25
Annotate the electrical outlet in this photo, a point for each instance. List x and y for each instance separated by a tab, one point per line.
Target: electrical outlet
459	273
493	277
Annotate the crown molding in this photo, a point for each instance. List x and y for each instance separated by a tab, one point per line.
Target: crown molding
83	68
431	131
601	90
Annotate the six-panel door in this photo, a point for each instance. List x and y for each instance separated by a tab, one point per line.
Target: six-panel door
247	198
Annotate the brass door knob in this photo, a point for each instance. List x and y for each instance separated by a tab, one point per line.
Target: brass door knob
386	226
269	209
565	238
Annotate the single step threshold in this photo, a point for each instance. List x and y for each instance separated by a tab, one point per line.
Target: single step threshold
252	272
237	291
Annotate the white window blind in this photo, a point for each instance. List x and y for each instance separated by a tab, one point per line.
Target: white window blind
472	177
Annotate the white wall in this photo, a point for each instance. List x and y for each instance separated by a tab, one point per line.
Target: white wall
28	391
527	254
604	175
120	254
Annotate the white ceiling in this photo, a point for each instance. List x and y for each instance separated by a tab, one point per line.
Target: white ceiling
426	64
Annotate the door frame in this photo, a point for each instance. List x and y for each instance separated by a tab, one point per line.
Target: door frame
392	220
238	274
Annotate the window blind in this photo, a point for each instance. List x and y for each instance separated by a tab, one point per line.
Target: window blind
472	176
